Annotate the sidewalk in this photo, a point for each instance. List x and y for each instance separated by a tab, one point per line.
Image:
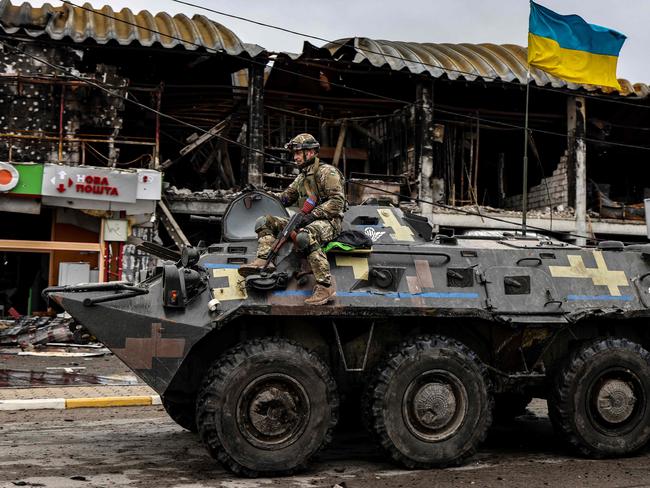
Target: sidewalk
61	396
67	397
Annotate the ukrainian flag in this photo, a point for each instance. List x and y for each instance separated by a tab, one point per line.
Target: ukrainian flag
568	47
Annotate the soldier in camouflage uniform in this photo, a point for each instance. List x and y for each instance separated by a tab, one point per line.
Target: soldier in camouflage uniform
323	184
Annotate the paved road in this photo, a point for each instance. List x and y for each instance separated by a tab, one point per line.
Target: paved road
129	447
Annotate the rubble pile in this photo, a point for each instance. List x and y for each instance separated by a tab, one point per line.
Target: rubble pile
207	194
30	331
559	211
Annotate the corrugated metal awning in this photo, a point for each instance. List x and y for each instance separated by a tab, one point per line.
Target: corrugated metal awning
487	62
125	28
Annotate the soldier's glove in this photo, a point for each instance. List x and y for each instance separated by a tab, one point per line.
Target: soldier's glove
306	220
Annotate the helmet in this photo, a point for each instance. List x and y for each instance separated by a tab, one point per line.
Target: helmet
302	141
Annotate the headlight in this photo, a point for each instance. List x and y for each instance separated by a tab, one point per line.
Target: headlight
173	287
181	285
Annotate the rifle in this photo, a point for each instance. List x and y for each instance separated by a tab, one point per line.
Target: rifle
291	226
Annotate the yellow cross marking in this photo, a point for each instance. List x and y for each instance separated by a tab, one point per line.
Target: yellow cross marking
401	232
359	265
600	275
235	289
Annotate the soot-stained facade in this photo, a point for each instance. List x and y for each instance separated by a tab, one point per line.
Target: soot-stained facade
177	102
96	108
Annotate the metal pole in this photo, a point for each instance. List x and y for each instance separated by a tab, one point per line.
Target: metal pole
524	196
580	158
255	167
61	109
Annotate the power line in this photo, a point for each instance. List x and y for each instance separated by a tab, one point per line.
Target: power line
244	146
138	104
357	90
389	55
540	131
294	73
248	60
469	212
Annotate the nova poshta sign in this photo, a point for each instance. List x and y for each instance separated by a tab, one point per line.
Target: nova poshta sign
89	183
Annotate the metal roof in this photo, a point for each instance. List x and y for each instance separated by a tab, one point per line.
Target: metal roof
488	62
104	25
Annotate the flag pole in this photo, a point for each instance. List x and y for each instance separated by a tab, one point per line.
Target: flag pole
524	197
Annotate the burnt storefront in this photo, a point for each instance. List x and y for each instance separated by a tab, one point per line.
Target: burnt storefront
96	108
437	128
445	122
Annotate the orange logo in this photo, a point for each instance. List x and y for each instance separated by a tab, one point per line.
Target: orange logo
8	177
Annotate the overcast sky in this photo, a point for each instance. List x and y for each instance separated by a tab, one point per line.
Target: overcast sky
455	21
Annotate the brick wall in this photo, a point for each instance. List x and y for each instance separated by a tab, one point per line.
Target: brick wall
556	186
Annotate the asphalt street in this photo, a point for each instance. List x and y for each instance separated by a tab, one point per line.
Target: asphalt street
140	446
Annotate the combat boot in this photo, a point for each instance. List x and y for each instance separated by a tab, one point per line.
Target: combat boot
322	295
255	267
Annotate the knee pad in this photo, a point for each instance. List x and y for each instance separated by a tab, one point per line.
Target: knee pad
261	227
302	241
260	223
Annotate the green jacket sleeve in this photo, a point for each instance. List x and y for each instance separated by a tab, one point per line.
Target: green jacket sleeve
291	193
332	193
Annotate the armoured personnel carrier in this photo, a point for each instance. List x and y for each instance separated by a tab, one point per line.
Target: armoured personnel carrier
443	331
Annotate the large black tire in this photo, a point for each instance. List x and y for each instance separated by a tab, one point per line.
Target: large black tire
184	414
430	404
599	402
266	407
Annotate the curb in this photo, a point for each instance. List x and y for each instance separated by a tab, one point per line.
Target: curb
68	403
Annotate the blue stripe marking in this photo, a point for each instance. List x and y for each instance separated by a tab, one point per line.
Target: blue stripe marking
295	293
292	293
572	32
221	266
622	298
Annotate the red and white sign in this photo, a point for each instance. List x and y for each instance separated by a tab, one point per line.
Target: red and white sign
8	177
89	183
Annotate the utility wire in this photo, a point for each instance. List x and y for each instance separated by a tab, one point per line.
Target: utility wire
470	212
388	55
244	146
126	99
540	131
247	59
357	90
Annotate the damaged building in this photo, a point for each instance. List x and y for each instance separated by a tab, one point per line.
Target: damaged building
442	123
457	137
82	152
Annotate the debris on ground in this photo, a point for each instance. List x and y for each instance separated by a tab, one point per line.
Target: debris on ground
12	378
47	350
31	330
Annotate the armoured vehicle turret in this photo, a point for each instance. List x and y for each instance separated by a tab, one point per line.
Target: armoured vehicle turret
442	333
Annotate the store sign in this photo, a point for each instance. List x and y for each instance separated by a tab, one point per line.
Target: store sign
89	183
8	177
149	184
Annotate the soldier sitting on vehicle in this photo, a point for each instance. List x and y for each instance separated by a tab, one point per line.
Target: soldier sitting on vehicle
317	184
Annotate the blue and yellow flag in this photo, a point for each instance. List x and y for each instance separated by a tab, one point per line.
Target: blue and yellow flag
568	47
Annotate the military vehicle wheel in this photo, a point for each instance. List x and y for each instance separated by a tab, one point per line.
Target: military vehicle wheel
266	407
600	399
509	405
184	414
430	404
